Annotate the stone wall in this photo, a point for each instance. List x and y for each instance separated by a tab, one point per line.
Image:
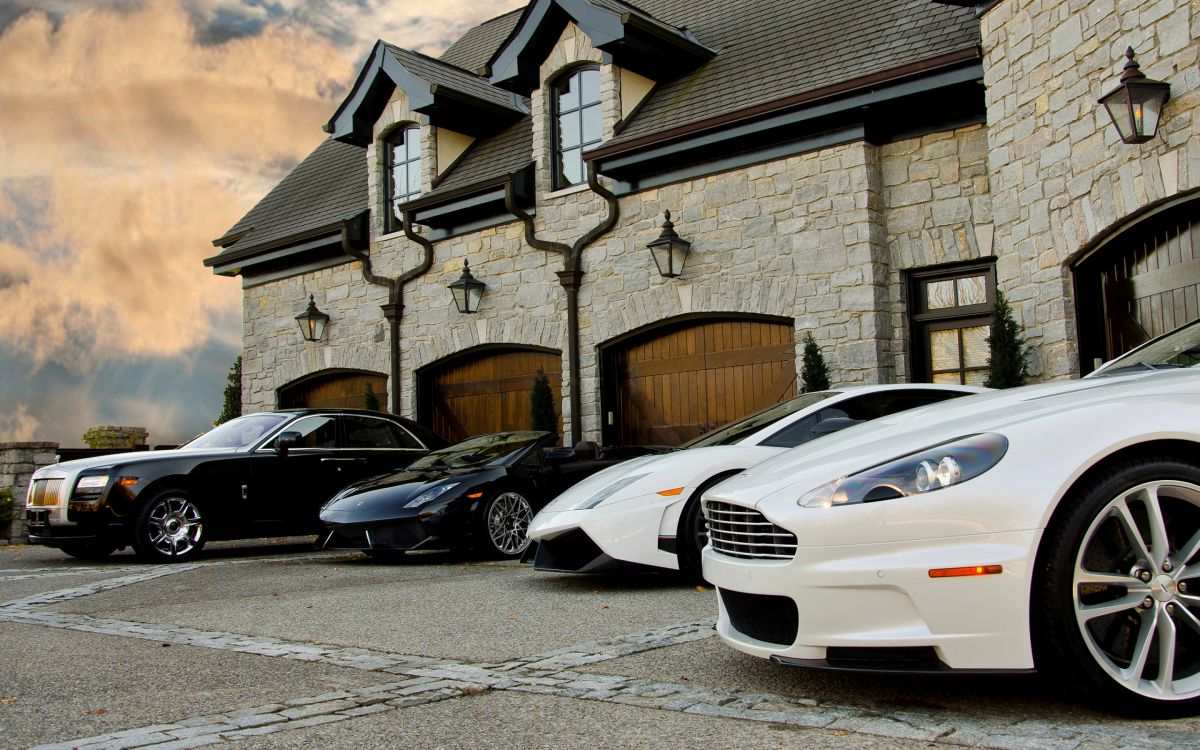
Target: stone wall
112	436
938	210
18	461
1060	178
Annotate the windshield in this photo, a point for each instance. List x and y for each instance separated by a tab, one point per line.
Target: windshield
1179	348
735	431
484	450
238	433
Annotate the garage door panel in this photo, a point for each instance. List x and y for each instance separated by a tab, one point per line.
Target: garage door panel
490	392
679	383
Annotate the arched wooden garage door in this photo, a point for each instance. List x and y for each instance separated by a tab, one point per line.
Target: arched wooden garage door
1142	282
484	391
676	382
355	389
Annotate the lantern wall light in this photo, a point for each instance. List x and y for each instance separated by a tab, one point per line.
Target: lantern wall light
1135	106
467	291
669	250
312	322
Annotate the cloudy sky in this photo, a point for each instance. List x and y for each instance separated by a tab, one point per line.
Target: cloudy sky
132	133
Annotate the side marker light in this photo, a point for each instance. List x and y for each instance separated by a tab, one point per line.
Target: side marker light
671	493
475	495
970	570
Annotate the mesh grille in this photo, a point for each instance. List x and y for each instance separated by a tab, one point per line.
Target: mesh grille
738	531
46	493
772	619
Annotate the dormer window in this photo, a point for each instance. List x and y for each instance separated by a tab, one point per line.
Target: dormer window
402	171
576	106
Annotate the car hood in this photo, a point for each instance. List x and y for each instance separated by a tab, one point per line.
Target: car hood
862	446
141	457
387	494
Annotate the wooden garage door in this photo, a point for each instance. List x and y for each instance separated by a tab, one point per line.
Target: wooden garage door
1142	283
490	392
354	390
680	383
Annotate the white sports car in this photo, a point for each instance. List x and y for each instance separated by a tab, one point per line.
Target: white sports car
646	511
1054	526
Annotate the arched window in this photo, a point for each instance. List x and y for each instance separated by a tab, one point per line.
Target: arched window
576	106
402	170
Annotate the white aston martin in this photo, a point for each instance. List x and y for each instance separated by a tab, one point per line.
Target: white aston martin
1053	527
646	512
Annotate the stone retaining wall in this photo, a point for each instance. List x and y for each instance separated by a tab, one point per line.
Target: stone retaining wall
18	461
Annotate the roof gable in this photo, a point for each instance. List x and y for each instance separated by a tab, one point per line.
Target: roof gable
450	96
634	38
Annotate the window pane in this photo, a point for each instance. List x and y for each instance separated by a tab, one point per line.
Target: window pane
568	130
972	291
572	167
365	432
948	377
414	177
943	349
412	139
399	180
589	86
939	295
315	432
591	124
975	346
568	97
976	377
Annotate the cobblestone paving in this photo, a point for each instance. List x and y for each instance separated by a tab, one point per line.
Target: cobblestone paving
415	680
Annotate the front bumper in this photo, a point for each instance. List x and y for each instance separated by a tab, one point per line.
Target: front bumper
623	535
850	598
412	529
45	528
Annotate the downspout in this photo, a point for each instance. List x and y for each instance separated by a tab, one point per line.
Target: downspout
570	278
395	305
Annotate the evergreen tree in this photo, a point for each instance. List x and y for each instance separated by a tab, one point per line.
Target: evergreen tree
370	400
815	374
542	415
233	394
1008	357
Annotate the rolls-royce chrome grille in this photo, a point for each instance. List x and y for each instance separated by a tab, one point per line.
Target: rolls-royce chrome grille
46	493
738	531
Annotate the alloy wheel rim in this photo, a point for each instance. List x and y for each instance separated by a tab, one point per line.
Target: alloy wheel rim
508	522
174	526
1135	587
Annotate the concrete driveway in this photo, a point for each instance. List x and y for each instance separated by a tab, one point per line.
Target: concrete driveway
269	645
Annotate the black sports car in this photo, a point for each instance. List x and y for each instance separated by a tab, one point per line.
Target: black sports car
264	474
481	492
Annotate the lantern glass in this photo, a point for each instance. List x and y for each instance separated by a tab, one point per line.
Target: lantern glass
1135	106
669	256
312	322
467	291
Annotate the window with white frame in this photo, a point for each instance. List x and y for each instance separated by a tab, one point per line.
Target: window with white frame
402	171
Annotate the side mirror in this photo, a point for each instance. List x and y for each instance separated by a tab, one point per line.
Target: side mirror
287	440
833	424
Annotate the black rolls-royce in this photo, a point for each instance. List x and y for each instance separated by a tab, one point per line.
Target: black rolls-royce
264	474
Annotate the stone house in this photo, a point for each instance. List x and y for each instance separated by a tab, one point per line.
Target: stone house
868	172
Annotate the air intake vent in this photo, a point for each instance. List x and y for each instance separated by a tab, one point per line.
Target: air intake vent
739	531
772	619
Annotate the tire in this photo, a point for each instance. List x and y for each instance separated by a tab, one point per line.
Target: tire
169	527
505	524
1113	594
90	550
692	536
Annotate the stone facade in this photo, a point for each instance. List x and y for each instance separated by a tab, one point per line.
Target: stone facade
18	461
825	238
1060	177
112	436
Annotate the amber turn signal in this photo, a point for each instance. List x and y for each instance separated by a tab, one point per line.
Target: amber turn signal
970	570
474	495
670	493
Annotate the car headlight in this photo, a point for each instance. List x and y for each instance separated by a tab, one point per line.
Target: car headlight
925	471
91	485
431	494
607	492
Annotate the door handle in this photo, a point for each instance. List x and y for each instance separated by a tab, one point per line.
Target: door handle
344	460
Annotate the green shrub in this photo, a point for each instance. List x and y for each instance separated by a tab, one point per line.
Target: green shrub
1008	357
815	374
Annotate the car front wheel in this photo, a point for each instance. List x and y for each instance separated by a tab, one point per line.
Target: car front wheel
506	519
1117	606
169	528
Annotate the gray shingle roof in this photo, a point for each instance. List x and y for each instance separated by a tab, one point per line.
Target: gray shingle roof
441	73
768	50
474	48
502	154
328	186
